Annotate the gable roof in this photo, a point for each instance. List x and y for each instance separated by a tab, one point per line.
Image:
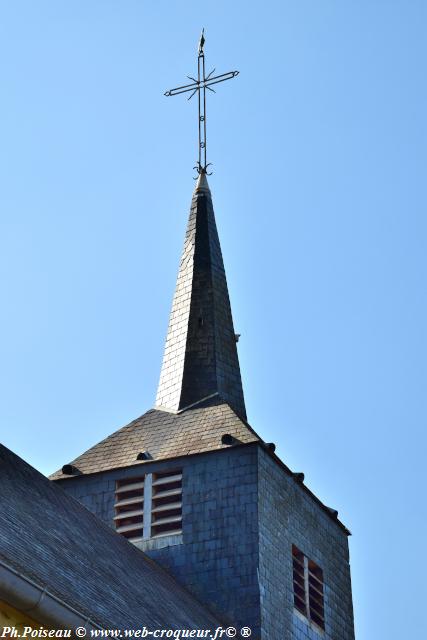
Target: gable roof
52	540
166	435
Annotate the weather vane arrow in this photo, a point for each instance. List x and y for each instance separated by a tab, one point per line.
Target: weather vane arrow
200	85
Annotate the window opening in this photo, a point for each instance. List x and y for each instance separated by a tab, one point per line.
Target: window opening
129	508
166	510
308	588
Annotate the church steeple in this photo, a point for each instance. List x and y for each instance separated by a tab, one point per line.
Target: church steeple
200	357
192	485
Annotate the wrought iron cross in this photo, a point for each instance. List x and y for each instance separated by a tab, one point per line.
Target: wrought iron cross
199	86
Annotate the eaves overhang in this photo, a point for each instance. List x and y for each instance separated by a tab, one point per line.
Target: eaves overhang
36	601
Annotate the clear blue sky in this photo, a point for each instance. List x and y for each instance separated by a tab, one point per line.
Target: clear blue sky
319	152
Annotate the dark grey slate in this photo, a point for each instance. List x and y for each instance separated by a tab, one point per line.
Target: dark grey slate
242	511
216	559
288	515
200	355
165	435
53	540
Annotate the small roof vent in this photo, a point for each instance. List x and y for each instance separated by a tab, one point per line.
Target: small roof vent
271	446
143	455
227	438
333	512
299	477
69	470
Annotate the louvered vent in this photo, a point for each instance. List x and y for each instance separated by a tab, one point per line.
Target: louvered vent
308	588
166	512
129	506
299	581
315	594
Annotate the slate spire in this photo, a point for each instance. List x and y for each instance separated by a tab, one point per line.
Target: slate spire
200	357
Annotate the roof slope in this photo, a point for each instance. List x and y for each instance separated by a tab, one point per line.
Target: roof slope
200	355
166	435
53	540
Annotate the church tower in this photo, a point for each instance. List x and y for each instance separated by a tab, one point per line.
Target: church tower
193	486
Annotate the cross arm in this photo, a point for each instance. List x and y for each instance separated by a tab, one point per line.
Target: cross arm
183	89
221	78
203	83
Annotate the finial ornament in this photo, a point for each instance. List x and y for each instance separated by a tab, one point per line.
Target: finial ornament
201	42
199	86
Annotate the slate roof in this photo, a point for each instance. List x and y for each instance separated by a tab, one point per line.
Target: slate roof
200	395
165	435
53	540
200	355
